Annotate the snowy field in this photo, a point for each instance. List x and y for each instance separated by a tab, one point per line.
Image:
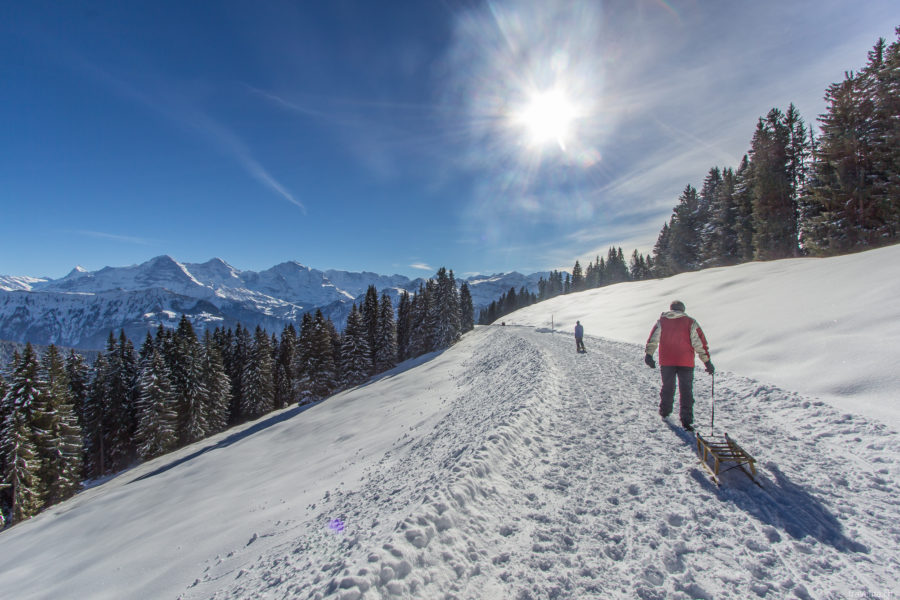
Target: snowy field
510	467
825	327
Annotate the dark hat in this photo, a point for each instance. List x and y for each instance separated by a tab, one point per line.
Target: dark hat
677	305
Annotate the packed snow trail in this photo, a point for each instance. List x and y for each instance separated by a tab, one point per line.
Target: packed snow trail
550	475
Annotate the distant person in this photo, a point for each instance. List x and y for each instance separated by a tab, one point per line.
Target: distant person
678	337
579	337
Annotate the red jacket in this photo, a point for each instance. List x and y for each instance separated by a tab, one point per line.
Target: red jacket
678	337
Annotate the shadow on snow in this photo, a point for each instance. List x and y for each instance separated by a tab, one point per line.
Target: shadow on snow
284	415
781	503
229	440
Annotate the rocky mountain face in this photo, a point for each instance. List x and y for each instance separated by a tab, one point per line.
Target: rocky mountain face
80	309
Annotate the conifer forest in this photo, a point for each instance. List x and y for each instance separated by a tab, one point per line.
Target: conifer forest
65	422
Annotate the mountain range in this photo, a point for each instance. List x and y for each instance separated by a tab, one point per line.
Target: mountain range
80	309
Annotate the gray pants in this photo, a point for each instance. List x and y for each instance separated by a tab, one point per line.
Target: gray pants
685	376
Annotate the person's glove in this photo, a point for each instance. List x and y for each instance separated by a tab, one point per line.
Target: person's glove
709	367
648	359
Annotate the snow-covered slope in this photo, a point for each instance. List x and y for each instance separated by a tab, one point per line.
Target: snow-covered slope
81	308
84	320
505	467
826	327
162	272
11	283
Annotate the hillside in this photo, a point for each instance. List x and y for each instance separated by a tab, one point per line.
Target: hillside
825	327
510	467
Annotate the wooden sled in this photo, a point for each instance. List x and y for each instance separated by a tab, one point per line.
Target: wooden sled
724	450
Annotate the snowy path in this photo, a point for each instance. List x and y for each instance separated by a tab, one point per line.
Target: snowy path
551	476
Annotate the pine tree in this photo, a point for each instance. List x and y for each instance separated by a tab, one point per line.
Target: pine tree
420	340
403	326
79	377
798	153
302	357
745	230
241	346
774	205
884	72
637	267
720	239
509	302
600	276
616	268
157	429
661	264
467	310
335	338
355	350
259	382
444	313
577	277
19	442
186	370
369	311
684	241
62	445
216	385
284	370
122	442
386	336
322	371
94	427
556	283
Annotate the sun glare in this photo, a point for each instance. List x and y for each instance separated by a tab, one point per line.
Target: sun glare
547	117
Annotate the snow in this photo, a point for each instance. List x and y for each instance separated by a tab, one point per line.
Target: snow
12	283
824	327
508	466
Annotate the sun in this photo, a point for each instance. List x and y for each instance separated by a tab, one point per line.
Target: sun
547	117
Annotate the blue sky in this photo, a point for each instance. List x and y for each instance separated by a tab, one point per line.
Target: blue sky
392	137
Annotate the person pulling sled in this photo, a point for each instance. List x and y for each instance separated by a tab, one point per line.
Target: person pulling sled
678	337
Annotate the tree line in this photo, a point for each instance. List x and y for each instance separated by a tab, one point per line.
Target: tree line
795	194
63	422
604	271
507	302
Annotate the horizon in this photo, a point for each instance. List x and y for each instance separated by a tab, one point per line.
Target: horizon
484	137
466	276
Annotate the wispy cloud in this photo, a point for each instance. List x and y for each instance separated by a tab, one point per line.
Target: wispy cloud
180	111
384	137
118	238
421	267
227	140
